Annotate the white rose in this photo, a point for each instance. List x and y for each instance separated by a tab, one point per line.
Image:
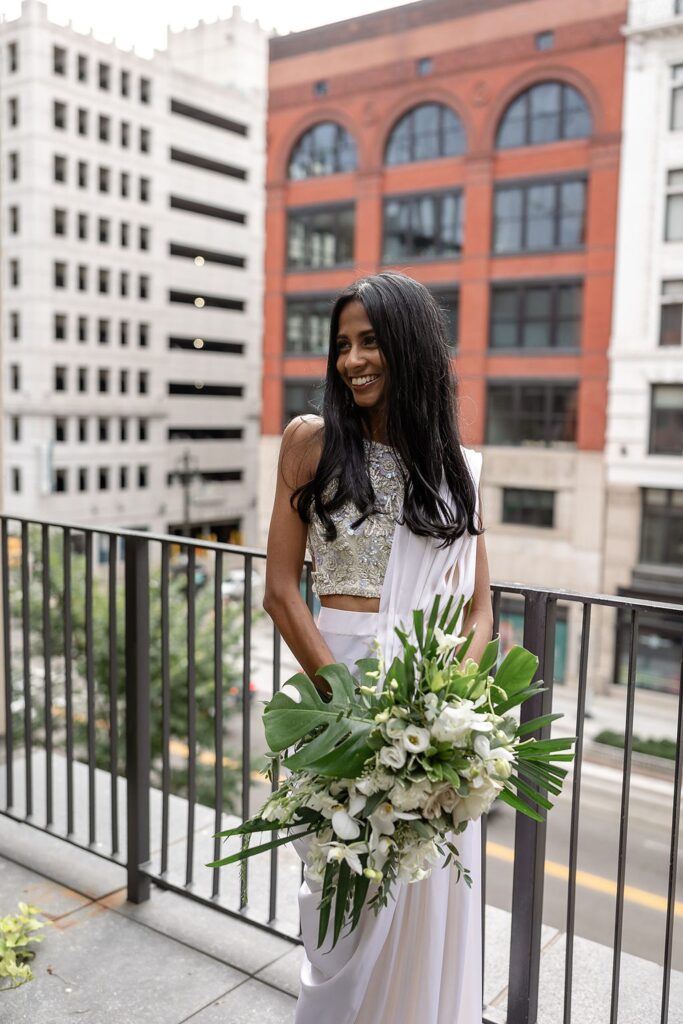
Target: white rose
415	739
471	807
442	801
393	756
407	798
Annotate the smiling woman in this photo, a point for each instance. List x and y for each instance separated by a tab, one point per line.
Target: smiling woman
386	498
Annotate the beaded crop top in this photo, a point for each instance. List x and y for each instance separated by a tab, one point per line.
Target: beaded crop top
355	562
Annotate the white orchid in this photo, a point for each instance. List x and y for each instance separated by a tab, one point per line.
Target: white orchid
431	706
344	825
456	722
339	852
446	642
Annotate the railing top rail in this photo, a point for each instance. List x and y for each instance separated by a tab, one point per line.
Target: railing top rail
503	587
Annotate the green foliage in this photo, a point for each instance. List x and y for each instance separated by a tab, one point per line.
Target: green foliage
656	748
16	932
108	672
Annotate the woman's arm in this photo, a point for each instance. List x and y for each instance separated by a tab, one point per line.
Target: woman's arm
479	610
299	455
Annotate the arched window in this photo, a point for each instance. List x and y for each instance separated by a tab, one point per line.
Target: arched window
326	148
545	112
426	132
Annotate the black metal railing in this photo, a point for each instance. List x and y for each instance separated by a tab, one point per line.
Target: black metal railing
129	663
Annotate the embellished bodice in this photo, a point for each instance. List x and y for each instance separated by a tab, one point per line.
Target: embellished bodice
355	562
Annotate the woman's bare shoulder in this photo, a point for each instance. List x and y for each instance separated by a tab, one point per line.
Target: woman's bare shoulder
302	442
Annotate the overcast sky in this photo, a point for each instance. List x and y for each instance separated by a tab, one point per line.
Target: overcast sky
143	25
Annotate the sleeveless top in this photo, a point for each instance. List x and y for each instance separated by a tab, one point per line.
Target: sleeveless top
355	563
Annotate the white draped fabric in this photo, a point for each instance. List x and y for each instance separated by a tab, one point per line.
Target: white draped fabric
419	960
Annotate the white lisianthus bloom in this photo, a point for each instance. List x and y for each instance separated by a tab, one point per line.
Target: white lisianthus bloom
378	780
446	642
408	798
344	825
339	852
415	739
393	756
431	705
395	727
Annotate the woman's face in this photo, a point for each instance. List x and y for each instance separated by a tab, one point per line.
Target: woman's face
359	360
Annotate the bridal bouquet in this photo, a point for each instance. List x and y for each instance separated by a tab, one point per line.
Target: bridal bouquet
385	773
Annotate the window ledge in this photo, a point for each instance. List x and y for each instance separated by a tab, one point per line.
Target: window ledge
533	352
536	252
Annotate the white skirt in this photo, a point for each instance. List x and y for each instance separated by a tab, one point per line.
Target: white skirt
419	960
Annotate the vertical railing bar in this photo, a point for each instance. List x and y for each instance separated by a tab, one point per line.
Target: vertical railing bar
165	706
623	825
275	782
113	695
673	856
218	714
246	712
7	659
497	596
137	715
89	539
530	836
191	715
26	668
47	672
309	586
68	681
484	833
576	797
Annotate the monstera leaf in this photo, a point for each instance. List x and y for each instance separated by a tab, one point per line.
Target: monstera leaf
342	726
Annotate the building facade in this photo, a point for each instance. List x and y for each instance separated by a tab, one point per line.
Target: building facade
644	451
132	238
475	147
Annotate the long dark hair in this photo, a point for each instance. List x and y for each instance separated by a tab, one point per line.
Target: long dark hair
421	417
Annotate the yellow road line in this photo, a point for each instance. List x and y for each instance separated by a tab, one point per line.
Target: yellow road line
589	881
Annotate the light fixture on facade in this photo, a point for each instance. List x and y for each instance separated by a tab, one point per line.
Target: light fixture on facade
199	302
198	343
199	261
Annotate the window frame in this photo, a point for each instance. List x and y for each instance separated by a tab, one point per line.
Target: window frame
308	212
438	195
525	94
663	524
652	431
517	386
526	508
525	184
554	284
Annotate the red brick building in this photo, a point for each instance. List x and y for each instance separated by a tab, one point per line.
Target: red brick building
473	144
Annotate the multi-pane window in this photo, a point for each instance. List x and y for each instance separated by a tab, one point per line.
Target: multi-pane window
666	419
125	83
423	226
427	132
14	273
59	274
661	534
59	168
82	429
124	234
326	148
59	114
12	57
145	90
83	478
82	174
301	397
59	378
145	140
143	238
103	331
82	278
671	313
546	112
448	301
59	60
60	481
103	179
13	111
144	190
103	381
677	97
307	330
59	327
531	412
320	237
538	216
103	75
103	226
535	315
124	136
673	227
82	67
60	429
82	328
58	222
104	128
15	377
528	507
15	325
143	335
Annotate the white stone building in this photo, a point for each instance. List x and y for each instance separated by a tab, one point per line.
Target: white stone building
132	236
644	451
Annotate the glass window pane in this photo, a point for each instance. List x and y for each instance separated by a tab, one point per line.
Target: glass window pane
327	148
540	216
666	434
537	335
453	134
501	425
451	226
577	119
512	131
426	132
674	218
296	243
677	109
545	113
507	231
538	302
572	199
568	334
398	150
670	323
569	300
